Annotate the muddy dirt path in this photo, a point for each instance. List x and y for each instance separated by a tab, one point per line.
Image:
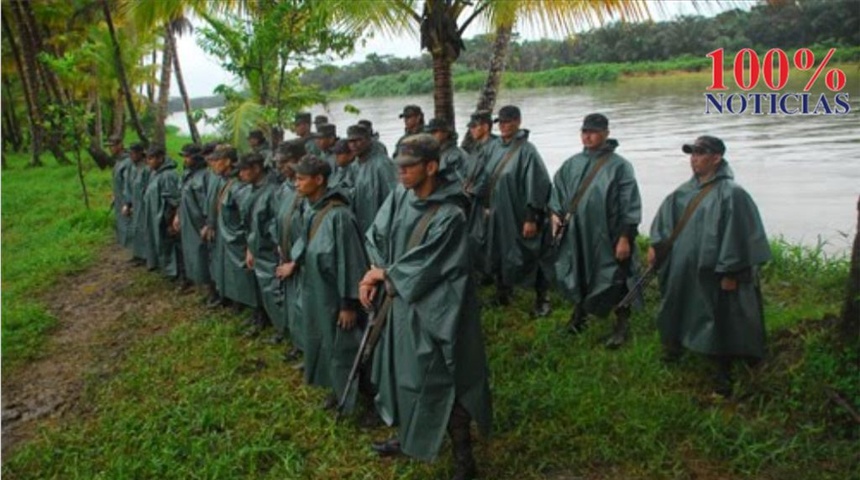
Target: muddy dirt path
92	308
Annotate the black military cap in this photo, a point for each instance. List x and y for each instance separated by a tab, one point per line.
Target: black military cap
326	130
258	134
705	144
483	116
114	140
357	131
341	146
302	117
411	110
320	120
507	113
595	121
137	147
366	123
155	151
208	148
417	148
249	160
438	124
292	150
312	165
189	150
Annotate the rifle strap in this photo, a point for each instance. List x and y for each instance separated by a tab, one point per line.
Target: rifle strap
381	313
688	213
319	217
583	187
500	167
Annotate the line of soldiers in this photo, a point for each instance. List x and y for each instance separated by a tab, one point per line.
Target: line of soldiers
319	239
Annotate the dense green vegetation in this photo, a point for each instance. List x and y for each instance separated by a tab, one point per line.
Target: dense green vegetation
197	400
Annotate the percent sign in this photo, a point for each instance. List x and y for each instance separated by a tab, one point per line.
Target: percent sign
804	59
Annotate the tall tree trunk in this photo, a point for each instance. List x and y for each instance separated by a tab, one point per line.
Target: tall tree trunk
11	128
851	310
99	123
159	132
118	116
150	85
26	65
443	90
123	80
186	102
490	92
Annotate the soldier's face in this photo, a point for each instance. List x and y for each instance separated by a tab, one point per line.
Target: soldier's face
154	162
309	185
413	176
286	169
411	122
136	157
703	163
251	174
115	148
254	142
593	139
440	136
509	128
480	131
302	129
358	145
324	143
221	166
343	159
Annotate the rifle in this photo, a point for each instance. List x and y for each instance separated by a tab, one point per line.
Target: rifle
661	251
376	322
562	228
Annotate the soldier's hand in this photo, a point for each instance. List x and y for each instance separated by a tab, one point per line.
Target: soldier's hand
249	259
346	319
175	225
285	270
622	249
729	284
126	210
529	229
366	294
555	220
652	256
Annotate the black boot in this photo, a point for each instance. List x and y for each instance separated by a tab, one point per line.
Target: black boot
578	319
542	305
723	377
621	331
461	438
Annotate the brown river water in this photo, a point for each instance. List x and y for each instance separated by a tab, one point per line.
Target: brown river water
802	170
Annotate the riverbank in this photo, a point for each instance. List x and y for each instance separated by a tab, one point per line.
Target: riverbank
421	82
171	390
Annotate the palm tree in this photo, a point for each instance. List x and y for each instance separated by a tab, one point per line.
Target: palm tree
442	23
181	26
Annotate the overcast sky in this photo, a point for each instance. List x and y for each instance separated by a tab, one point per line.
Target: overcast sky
203	73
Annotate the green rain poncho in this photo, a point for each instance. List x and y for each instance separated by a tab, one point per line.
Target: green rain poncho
343	179
330	266
264	247
455	164
476	189
374	177
264	150
288	231
134	191
160	202
232	278
192	217
585	267
724	236
519	193
431	352
122	171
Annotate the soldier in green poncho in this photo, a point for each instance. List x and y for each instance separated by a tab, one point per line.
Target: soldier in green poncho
517	194
288	231
413	122
709	280
429	367
374	176
482	147
377	146
133	198
455	164
343	176
320	120
325	138
329	259
260	145
192	216
231	207
596	211
122	168
160	203
302	128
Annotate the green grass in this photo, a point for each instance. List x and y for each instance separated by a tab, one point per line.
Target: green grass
197	400
47	233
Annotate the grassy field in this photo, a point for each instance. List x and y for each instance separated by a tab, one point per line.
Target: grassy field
198	400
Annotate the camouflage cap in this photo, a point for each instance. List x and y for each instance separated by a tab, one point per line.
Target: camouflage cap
438	124
417	148
508	113
411	110
595	122
341	146
189	150
312	165
208	148
705	144
225	150
326	130
366	123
